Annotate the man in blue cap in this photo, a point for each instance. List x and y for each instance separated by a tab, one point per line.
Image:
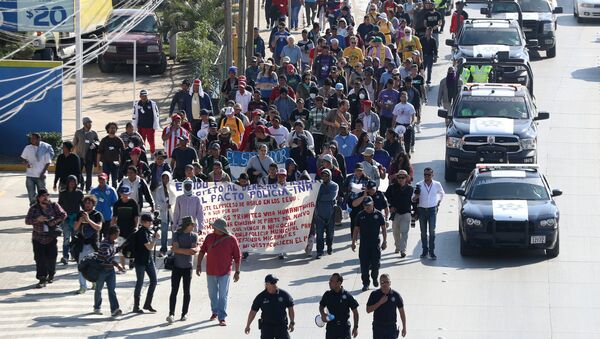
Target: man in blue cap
369	223
230	84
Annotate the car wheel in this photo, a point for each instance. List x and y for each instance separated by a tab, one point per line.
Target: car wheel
551	53
160	68
553	253
105	67
450	174
465	249
579	19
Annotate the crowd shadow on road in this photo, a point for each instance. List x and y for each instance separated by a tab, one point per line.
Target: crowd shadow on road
13	217
77	320
163	330
15	230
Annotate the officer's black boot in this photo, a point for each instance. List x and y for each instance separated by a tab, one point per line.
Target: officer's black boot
136	305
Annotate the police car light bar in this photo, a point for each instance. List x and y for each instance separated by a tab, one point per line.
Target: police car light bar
472	86
490	167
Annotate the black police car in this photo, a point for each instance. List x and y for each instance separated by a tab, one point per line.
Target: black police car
508	206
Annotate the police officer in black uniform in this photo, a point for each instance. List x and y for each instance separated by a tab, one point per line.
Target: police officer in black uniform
338	303
273	302
384	303
369	223
379	199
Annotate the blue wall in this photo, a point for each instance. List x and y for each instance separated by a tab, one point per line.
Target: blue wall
44	115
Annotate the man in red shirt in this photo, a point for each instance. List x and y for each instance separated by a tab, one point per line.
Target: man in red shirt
221	248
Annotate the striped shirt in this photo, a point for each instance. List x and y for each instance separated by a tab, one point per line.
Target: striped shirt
172	142
106	253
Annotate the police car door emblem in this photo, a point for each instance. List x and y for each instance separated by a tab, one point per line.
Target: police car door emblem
490	123
280	299
509	207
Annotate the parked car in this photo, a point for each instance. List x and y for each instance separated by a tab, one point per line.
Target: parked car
586	9
146	34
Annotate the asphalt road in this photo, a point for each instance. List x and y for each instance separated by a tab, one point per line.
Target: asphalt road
501	294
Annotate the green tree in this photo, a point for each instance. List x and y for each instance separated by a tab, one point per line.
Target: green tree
196	47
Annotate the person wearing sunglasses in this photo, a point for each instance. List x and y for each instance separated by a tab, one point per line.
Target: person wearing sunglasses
428	195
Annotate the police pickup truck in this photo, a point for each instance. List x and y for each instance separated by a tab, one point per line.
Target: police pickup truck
491	123
508	206
536	17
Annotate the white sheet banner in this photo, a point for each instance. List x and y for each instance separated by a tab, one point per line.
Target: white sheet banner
264	218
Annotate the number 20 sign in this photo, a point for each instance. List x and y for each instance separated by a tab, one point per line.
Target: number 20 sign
37	15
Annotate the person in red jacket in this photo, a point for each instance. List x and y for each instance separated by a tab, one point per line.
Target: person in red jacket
458	17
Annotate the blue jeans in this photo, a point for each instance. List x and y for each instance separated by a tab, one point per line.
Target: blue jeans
427	219
295	15
218	289
324	233
141	268
112	170
33	186
67	228
428	65
87	249
109	276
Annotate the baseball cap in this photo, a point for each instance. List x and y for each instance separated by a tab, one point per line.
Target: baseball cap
42	192
371	184
146	217
185	82
326	171
328	157
212	124
125	190
282	171
175	117
402	173
204	111
368	201
103	176
271	279
286	59
339	87
367	102
358	166
369	151
215	145
136	151
183	138
144	92
86	120
160	153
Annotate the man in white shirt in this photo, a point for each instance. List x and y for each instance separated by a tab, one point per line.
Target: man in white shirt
279	132
428	195
404	114
243	97
37	158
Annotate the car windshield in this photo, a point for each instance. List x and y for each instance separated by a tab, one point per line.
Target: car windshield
499	188
535	6
492	107
504	7
147	25
490	36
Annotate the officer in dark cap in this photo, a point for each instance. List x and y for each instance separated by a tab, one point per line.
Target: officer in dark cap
273	302
384	302
379	199
338	303
369	223
182	98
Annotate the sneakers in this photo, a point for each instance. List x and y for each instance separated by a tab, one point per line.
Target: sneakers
281	256
424	254
170	319
213	317
432	255
121	272
82	290
412	149
97	311
375	283
183	318
222	323
64	261
345	214
137	310
245	255
161	254
318	256
418	128
117	312
50	279
329	250
402	254
149	308
365	288
397	251
41	284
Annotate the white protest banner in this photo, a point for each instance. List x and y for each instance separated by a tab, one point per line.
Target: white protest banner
264	218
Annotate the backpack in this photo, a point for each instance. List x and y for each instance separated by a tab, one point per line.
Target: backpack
90	267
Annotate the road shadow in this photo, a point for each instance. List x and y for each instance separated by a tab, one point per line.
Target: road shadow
15	230
18	268
591	74
163	330
13	217
78	320
448	253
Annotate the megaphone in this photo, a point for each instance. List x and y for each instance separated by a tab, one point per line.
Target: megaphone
319	321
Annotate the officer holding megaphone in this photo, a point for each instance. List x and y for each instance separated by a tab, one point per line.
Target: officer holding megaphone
338	302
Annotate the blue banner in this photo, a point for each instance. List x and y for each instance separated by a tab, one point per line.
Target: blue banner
237	158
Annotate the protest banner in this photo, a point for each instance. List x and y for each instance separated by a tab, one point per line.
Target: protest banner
264	218
238	160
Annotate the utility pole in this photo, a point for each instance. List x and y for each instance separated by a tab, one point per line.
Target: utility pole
78	65
242	37
250	31
228	37
289	12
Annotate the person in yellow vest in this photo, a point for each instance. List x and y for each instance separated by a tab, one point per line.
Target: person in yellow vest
408	44
386	28
235	125
465	75
480	74
379	50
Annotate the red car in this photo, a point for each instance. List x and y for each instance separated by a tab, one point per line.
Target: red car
146	33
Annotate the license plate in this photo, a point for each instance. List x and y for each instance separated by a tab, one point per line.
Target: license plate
538	239
130	61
